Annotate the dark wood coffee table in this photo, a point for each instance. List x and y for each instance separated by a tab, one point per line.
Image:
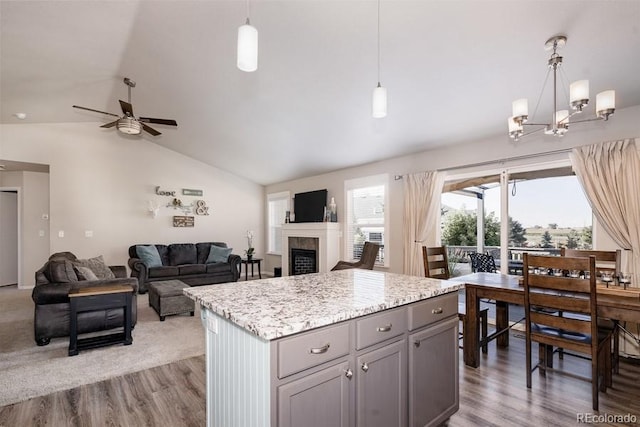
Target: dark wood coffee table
99	298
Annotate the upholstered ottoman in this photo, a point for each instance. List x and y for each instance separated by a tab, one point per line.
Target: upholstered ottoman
166	298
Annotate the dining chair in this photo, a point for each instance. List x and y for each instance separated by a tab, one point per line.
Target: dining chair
367	258
606	261
436	266
576	329
482	263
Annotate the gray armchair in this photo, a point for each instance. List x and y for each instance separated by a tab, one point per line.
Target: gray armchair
367	259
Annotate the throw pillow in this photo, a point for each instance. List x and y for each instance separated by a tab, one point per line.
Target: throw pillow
61	271
97	265
149	255
218	254
85	273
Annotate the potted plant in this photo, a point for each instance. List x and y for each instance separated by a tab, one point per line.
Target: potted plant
250	249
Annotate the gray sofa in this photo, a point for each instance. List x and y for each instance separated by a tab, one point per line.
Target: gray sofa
51	297
186	262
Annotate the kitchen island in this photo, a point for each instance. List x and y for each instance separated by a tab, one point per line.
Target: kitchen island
344	348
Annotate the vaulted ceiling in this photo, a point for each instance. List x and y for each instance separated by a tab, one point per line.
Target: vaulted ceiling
451	68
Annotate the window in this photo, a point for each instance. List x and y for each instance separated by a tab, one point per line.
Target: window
543	204
366	216
278	206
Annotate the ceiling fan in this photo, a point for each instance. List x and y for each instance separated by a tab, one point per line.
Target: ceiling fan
128	123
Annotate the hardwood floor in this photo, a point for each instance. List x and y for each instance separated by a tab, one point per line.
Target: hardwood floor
494	394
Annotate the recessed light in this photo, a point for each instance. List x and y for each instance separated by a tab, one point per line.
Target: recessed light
21	116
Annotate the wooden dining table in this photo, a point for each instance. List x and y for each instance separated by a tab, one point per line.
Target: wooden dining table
613	303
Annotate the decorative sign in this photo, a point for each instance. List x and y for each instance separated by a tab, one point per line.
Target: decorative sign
201	208
164	193
188	192
183	221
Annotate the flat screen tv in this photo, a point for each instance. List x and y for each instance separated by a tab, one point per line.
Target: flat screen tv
309	206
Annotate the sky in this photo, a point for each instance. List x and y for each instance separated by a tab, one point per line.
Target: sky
559	200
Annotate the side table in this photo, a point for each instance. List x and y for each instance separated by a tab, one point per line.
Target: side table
246	263
99	298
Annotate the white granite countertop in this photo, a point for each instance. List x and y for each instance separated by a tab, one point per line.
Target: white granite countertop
274	308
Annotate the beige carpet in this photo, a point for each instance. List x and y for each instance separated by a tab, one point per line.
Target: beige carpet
27	370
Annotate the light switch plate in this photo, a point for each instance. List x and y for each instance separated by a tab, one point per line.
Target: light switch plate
61	233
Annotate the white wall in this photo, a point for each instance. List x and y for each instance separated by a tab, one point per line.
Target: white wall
624	124
101	181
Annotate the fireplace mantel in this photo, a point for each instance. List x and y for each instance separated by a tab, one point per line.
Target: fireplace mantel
328	235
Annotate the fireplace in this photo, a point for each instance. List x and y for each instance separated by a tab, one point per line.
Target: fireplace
303	261
323	238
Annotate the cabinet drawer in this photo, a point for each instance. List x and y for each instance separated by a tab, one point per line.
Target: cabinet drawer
433	310
379	327
305	351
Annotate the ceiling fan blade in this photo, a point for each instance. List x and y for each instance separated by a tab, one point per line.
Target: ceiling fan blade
110	125
127	109
167	122
95	111
151	130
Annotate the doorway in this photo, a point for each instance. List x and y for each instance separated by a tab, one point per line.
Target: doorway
9	236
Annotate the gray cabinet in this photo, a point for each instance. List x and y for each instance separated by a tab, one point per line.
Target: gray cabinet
381	386
433	366
320	399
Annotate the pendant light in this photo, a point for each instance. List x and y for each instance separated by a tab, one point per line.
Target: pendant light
379	102
247	46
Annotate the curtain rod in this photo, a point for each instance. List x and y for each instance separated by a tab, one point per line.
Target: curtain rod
499	161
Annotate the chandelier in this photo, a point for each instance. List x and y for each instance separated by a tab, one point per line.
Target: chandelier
578	99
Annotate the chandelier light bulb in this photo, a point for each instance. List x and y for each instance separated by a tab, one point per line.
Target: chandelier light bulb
379	104
247	47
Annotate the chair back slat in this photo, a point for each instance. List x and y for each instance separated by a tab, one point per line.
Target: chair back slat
559	302
580	326
578	347
436	262
578	286
608	261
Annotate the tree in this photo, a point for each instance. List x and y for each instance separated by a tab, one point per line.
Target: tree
516	233
545	241
461	229
587	236
573	240
553	226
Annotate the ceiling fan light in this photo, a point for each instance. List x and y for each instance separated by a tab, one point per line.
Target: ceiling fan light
129	126
379	104
247	48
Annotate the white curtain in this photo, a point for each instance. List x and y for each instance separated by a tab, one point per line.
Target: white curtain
421	217
610	175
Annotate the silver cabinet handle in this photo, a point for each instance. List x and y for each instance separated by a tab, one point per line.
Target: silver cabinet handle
385	328
365	367
348	373
320	350
437	310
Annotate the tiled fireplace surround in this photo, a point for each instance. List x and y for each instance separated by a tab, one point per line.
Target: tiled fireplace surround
321	237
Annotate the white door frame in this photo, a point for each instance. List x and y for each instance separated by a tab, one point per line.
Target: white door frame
19	194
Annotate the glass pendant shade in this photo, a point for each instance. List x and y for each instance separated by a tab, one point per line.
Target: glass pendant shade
520	107
247	48
379	105
606	100
579	91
